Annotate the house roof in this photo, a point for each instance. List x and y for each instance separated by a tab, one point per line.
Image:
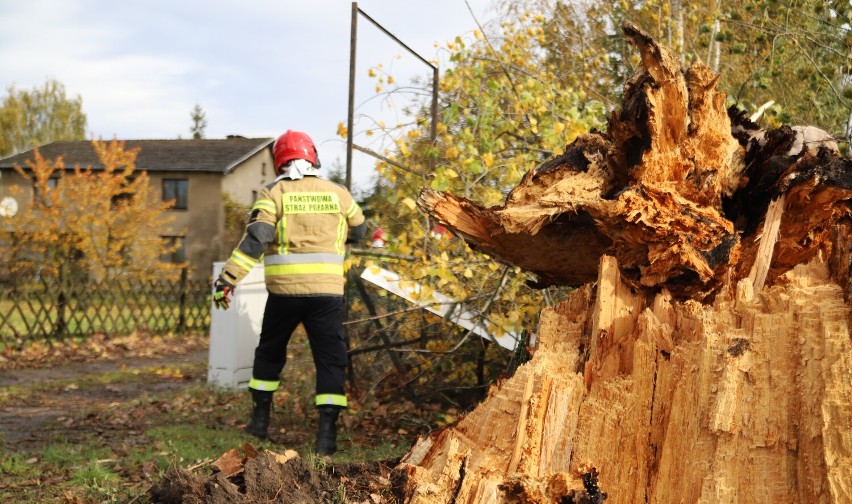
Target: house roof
201	155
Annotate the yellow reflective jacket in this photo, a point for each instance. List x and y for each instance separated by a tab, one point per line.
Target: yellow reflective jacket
299	228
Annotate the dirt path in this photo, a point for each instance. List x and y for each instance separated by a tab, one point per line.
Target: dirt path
29	376
38	406
120	406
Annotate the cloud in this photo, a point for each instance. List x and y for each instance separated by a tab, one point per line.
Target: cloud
256	68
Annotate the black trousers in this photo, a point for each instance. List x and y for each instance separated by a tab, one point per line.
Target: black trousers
322	317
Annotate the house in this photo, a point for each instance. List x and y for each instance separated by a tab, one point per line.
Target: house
196	173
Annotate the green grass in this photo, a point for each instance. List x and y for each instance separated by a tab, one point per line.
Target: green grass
188	426
385	450
89	468
98	481
187	444
63	453
13	464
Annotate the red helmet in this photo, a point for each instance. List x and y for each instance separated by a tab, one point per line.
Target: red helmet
294	145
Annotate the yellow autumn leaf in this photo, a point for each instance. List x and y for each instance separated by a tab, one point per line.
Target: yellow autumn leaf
488	159
452	153
409	203
403	147
342	130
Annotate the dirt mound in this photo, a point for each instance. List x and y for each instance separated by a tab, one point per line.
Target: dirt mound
264	478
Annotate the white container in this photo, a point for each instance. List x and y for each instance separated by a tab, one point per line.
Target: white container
234	332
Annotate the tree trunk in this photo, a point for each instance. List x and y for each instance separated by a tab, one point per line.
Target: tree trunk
743	400
705	355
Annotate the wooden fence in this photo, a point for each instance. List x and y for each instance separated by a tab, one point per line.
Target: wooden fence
40	309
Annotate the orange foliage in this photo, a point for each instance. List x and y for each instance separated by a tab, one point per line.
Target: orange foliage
103	222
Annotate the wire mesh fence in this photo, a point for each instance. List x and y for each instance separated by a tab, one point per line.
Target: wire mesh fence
42	309
399	349
395	347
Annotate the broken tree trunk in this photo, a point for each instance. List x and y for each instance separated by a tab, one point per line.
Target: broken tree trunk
705	355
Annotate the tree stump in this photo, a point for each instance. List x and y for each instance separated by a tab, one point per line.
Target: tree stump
705	354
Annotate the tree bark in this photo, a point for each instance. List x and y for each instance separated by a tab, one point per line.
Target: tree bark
705	355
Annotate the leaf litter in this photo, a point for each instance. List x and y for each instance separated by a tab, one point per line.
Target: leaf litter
57	402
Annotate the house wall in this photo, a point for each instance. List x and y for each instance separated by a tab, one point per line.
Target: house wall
10	178
204	219
249	176
202	223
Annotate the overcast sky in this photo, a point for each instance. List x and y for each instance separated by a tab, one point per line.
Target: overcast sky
256	67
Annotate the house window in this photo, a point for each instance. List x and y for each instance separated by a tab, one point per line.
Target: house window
263	168
177	249
176	190
52	184
254	196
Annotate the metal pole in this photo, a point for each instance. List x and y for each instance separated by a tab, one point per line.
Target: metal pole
350	132
351	116
434	129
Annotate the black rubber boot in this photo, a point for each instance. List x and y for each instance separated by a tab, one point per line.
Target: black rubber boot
327	429
258	424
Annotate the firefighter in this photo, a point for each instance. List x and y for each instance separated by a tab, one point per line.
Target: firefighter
299	224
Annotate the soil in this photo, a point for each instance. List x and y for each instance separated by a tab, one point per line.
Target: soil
47	413
263	479
73	402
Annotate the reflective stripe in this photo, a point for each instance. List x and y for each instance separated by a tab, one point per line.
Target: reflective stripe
264	204
267	386
303	259
304	269
331	399
342	231
309	203
282	235
352	209
242	260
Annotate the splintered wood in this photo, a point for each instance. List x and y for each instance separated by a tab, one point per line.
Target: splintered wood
739	401
705	354
667	190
